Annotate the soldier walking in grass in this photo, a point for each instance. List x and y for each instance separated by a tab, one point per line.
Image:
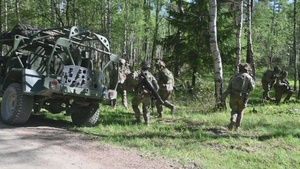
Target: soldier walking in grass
239	87
268	80
121	76
166	83
282	86
143	93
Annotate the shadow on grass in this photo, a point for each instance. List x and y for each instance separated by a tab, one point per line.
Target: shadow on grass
119	118
277	135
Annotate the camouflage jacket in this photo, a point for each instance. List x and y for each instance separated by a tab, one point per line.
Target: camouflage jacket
282	83
247	86
165	79
269	77
123	72
141	88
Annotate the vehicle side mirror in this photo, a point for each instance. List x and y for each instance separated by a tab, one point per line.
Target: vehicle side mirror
114	58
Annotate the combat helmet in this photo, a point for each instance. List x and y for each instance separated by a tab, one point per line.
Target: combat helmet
160	64
244	68
122	61
284	73
277	69
145	65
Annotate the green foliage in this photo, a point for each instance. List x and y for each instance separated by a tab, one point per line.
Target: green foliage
273	33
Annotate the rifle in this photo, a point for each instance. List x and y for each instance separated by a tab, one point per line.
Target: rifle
151	88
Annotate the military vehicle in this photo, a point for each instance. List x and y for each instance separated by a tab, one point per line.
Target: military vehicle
61	70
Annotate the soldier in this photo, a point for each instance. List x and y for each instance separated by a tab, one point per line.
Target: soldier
239	88
282	86
166	83
124	70
143	93
268	80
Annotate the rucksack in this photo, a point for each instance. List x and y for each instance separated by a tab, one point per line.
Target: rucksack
238	82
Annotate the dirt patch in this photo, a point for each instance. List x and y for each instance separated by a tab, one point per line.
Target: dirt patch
39	147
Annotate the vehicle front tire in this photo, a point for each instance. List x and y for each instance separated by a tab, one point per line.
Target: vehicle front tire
16	107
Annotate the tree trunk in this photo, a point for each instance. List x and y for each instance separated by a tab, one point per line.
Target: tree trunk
147	29
17	8
67	8
239	22
1	19
158	6
74	13
109	20
132	57
53	20
215	52
250	53
177	60
126	20
1	25
295	48
6	15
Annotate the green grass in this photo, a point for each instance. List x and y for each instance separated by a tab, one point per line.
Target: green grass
197	137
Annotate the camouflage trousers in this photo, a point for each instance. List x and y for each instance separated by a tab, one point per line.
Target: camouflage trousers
280	91
122	90
237	105
145	100
165	96
266	87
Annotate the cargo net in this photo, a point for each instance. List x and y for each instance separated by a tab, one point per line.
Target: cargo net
27	31
21	29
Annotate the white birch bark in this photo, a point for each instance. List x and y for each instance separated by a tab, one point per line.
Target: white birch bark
239	21
215	51
6	15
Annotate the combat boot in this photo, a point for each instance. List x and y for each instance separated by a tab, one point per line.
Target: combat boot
173	111
231	125
170	106
237	129
147	118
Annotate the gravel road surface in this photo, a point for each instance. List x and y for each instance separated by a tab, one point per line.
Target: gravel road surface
44	146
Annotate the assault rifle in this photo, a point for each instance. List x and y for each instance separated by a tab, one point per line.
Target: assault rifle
151	88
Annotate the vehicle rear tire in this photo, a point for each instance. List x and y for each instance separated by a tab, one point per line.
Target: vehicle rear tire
16	107
85	116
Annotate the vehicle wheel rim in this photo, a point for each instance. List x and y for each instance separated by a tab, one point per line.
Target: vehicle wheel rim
11	102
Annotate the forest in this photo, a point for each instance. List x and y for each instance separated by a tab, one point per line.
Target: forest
263	33
202	42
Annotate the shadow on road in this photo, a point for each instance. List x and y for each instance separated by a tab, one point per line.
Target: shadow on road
40	120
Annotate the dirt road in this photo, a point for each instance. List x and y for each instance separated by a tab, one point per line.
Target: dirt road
42	146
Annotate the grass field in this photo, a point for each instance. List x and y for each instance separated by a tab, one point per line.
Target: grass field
197	137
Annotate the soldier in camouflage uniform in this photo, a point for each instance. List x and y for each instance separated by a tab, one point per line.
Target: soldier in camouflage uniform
166	83
124	70
282	86
268	81
239	88
143	93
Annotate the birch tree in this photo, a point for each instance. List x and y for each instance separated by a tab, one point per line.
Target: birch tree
158	6
294	46
6	15
17	9
109	20
239	24
126	21
215	52
250	52
147	13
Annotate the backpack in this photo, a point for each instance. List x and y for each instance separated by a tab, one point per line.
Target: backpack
238	82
